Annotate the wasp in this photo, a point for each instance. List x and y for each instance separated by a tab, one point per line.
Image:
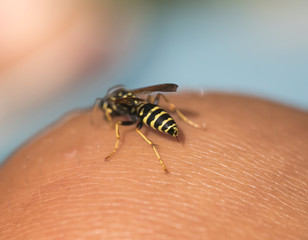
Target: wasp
123	102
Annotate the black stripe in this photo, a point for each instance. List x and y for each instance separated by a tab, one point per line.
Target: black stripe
146	108
171	131
167	124
152	115
160	120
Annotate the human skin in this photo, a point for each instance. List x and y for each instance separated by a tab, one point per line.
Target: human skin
245	177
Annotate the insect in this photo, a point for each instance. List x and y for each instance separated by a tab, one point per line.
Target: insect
123	102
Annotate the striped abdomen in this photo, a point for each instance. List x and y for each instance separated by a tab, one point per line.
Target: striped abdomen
157	118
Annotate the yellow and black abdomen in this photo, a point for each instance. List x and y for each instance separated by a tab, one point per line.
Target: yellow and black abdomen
157	118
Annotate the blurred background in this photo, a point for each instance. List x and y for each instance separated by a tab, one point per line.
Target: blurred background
57	56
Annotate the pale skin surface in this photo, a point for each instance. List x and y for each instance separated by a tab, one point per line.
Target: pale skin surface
245	177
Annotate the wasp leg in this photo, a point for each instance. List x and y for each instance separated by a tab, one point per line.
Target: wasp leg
125	123
181	115
154	148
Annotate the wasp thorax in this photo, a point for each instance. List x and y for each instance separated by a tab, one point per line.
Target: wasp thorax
122	102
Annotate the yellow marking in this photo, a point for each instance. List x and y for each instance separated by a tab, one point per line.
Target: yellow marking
155	119
141	112
105	105
115	149
176	132
120	94
170	127
108	115
149	113
155	150
163	123
138	108
129	94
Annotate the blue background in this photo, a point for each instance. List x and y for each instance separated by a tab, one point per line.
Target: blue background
258	49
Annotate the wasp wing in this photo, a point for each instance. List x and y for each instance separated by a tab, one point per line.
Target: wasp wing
166	87
128	100
116	87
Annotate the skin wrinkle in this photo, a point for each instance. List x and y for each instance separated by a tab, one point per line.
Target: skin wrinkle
234	188
290	194
228	178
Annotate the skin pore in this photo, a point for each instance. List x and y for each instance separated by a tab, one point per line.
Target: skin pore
245	177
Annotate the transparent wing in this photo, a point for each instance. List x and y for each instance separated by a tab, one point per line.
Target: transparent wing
128	100
166	87
115	88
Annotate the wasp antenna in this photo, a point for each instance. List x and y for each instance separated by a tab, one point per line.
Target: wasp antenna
124	102
95	112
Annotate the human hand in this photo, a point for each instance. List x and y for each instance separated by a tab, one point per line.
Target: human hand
245	177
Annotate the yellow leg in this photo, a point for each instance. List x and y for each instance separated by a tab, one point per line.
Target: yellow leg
181	115
117	142
115	149
155	150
